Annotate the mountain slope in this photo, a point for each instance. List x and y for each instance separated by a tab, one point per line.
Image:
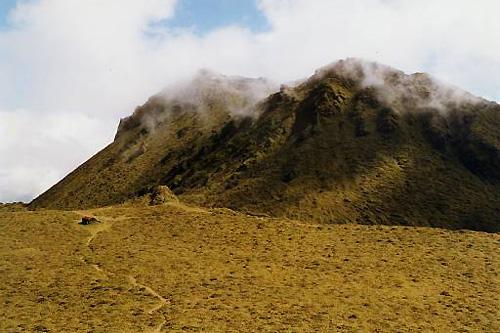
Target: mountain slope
356	142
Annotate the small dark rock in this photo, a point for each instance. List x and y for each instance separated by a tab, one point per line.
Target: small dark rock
87	220
445	293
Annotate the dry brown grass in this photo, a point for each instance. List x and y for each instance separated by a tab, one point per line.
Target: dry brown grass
177	268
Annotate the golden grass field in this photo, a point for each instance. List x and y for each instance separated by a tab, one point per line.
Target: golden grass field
177	268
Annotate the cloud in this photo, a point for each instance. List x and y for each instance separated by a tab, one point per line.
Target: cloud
82	64
37	151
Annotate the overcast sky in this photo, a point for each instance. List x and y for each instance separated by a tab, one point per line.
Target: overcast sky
69	69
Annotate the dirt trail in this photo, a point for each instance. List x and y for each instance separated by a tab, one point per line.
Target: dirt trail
104	225
96	229
163	301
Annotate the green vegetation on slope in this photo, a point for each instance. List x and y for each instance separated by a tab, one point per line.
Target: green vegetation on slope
332	149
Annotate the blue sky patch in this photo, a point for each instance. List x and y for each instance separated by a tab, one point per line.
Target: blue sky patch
206	15
5	7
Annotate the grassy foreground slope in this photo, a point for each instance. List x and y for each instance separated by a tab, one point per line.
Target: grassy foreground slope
177	268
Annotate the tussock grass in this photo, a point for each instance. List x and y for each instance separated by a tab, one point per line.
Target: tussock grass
219	271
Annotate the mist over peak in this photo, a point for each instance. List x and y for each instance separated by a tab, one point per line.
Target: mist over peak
357	141
240	96
207	89
207	85
403	92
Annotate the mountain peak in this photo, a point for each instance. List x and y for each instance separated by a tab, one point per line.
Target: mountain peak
396	88
357	142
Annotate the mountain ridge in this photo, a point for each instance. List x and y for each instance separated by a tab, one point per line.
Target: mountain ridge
356	142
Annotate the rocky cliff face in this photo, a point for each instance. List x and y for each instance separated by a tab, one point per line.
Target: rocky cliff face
357	142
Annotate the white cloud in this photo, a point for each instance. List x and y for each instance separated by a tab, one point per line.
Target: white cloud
37	150
78	65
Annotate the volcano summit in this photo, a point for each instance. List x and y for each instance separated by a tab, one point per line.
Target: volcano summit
357	142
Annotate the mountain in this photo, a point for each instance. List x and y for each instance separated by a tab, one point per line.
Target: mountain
358	142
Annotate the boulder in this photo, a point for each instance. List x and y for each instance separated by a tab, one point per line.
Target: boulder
160	195
87	220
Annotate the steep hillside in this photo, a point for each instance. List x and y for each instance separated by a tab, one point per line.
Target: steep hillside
145	142
356	142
